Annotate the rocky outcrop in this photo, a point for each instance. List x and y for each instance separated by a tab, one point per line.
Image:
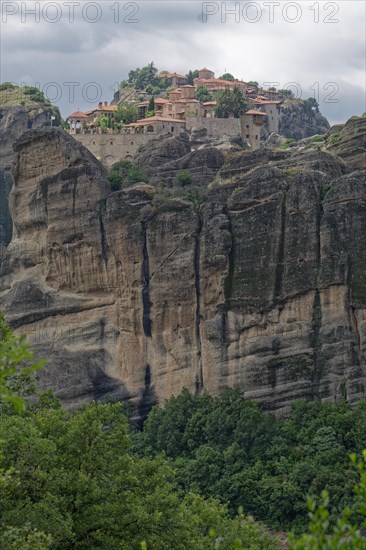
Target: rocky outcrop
261	287
349	142
14	121
162	150
298	121
165	158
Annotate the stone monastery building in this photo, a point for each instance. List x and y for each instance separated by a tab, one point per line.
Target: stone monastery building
178	111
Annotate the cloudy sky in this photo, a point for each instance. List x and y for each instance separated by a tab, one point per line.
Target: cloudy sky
78	51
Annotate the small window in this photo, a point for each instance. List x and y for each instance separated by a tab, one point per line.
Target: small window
111	142
247	136
247	126
256	137
93	142
172	128
131	142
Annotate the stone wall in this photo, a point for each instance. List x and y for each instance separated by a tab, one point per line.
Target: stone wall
110	148
215	126
251	132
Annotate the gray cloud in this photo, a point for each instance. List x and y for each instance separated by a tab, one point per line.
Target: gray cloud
173	35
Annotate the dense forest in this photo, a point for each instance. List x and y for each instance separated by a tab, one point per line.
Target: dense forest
204	472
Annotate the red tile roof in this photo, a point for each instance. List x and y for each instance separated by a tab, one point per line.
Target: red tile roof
78	114
254	112
156	118
106	108
266	101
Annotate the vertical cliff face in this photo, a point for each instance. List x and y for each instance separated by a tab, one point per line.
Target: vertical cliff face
262	288
297	120
14	121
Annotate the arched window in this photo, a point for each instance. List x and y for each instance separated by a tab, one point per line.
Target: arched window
150	129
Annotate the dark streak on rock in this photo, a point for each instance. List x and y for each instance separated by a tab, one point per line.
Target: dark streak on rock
145	277
197	284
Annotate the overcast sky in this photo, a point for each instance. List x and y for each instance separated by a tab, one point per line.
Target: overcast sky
319	45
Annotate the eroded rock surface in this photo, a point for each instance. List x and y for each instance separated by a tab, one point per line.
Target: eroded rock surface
14	121
298	121
262	288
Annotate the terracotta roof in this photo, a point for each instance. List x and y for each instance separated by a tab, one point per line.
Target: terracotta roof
254	112
106	108
78	114
160	100
266	101
186	101
145	121
210	103
187	86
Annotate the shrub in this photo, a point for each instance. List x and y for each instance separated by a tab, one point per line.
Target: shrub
334	137
7	86
287	142
317	139
184	179
125	173
196	196
34	93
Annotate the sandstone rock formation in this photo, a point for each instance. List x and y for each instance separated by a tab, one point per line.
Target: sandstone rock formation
164	159
298	122
351	143
14	121
262	288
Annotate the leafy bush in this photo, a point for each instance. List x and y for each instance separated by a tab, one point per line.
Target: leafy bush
184	178
287	142
16	360
34	93
334	137
125	173
317	139
195	195
7	86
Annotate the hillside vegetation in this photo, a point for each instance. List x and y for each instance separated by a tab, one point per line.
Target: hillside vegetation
73	480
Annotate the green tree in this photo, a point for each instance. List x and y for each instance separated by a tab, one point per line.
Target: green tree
15	359
231	103
151	106
311	103
203	95
346	532
125	173
126	113
190	78
227	76
287	93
